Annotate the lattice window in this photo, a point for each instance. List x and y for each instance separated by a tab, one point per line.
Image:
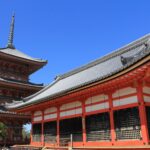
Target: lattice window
127	124
50	132
98	127
70	126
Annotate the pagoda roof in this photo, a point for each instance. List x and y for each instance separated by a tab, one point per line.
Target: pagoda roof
4	113
12	81
8	114
93	72
16	53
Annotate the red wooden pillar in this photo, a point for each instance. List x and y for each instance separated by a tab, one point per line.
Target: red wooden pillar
58	132
142	114
112	126
42	135
83	123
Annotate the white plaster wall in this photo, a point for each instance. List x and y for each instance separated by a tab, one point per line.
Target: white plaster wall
97	107
37	118
124	91
70	105
146	98
97	98
71	112
125	101
146	89
50	116
50	110
37	113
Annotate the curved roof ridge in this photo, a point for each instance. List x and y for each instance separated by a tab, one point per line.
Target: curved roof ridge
117	52
42	90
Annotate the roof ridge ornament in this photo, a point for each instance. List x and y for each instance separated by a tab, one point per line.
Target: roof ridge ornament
11	33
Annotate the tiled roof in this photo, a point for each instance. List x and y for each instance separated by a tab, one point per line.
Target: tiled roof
21	83
95	71
5	112
17	53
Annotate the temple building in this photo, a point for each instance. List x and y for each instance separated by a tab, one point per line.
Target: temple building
105	103
16	67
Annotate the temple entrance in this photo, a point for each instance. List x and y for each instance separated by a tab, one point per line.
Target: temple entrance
98	127
127	124
70	126
50	132
36	132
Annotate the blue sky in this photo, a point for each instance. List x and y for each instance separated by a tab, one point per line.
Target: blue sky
70	33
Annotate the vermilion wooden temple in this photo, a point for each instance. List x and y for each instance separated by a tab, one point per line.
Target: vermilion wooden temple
105	103
15	68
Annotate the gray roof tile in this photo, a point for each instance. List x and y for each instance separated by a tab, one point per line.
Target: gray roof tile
17	53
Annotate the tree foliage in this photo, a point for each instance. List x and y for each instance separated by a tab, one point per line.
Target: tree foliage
3	131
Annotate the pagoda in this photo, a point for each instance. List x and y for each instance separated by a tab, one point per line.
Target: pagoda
16	67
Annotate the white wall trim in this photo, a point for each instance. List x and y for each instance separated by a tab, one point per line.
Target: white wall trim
123	92
146	98
97	98
71	105
71	112
50	110
146	89
37	113
50	116
97	107
125	101
37	118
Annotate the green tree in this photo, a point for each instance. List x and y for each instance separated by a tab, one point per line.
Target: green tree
3	131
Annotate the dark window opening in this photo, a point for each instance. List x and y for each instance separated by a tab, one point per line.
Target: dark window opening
148	119
36	133
71	126
98	127
50	132
127	124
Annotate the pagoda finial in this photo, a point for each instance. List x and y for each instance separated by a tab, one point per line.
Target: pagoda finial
11	33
